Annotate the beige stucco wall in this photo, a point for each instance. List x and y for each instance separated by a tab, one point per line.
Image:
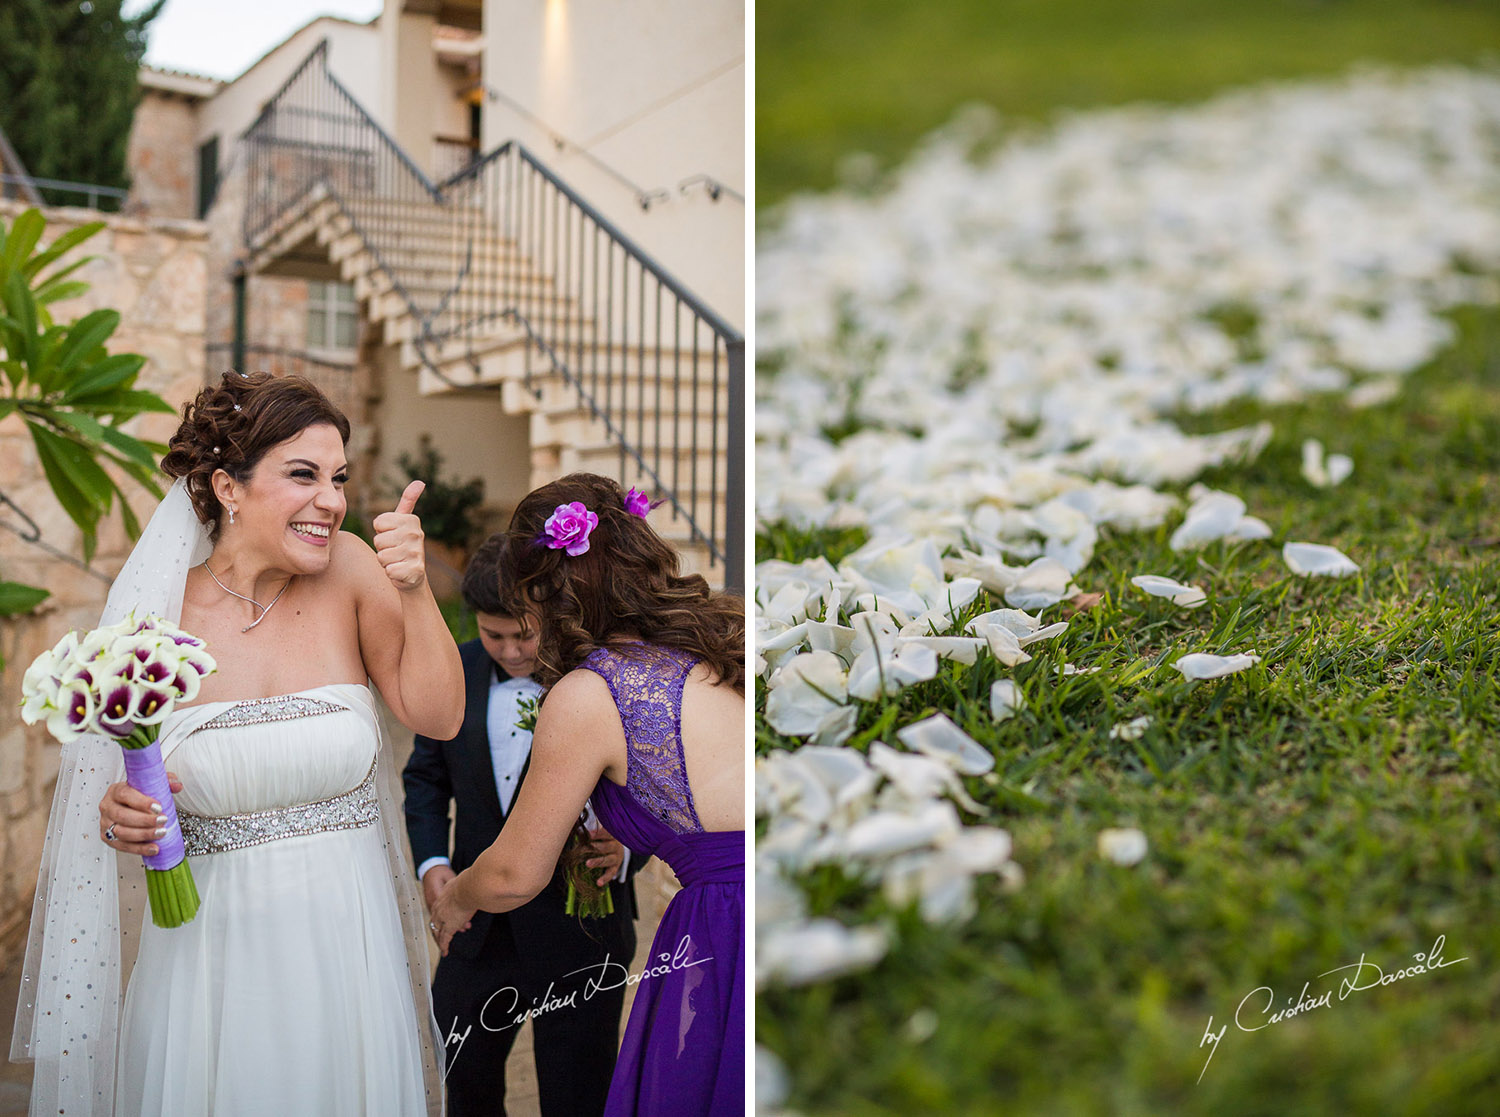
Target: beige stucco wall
152	272
630	81
411	102
471	431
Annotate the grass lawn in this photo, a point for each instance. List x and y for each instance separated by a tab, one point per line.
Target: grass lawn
874	76
1341	799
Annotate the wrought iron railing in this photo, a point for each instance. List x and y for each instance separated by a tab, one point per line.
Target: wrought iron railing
451	156
505	251
335	378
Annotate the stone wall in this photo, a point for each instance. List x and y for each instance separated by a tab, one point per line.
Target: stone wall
162	156
153	272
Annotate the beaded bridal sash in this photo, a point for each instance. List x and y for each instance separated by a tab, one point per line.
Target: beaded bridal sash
357	807
219	834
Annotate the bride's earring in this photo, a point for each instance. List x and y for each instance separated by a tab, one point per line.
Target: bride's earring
231	513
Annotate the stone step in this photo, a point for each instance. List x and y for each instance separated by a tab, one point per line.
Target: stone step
579	427
347	242
551	392
503	337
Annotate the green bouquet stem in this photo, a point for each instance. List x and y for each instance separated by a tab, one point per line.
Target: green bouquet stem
595	906
169	878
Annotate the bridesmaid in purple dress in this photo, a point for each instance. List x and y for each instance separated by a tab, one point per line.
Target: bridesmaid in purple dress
645	715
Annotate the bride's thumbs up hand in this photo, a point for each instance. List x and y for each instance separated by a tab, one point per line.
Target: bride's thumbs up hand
398	542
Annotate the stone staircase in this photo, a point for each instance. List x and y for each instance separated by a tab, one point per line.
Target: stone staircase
425	271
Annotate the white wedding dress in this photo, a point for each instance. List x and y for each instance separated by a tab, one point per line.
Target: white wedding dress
289	992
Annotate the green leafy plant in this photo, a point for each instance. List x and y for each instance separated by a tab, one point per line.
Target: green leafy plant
73	394
447	507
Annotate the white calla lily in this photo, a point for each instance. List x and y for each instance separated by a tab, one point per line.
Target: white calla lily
72	712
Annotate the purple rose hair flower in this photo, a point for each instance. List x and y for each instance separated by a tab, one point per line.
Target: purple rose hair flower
637	503
568	528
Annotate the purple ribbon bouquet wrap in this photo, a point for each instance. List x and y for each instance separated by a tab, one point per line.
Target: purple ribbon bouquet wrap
121	681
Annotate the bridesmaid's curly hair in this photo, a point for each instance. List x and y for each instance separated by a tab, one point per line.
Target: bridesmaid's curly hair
231	426
626	583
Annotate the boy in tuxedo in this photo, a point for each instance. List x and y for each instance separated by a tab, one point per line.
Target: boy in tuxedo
536	958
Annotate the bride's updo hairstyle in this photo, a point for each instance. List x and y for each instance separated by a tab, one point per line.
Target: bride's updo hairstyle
626	583
231	426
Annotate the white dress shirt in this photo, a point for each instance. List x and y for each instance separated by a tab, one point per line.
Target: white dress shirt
510	748
510	745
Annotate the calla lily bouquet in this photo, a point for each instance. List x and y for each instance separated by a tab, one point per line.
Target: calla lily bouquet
121	681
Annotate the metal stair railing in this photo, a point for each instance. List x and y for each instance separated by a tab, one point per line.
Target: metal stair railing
527	255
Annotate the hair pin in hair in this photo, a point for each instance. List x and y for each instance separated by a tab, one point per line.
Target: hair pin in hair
218	450
568	528
237	407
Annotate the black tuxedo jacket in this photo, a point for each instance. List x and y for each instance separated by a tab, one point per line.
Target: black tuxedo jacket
461	771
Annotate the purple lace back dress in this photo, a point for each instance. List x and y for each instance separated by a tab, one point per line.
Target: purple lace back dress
684	1048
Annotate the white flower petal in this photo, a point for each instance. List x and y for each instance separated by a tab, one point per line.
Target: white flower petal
1056	628
1318	560
1044	582
981	849
1005	699
917	779
824	637
960	649
1015	620
884	671
804	692
772	1083
1122	846
1181	594
816	950
938	736
1131	730
777	900
886	833
992	573
1203	665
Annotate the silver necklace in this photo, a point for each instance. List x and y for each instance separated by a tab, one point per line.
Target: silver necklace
264	609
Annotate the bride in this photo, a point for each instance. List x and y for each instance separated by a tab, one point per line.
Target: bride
301	985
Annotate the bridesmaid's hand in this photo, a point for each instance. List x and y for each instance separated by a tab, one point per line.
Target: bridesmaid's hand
448	918
138	822
399	542
611	854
